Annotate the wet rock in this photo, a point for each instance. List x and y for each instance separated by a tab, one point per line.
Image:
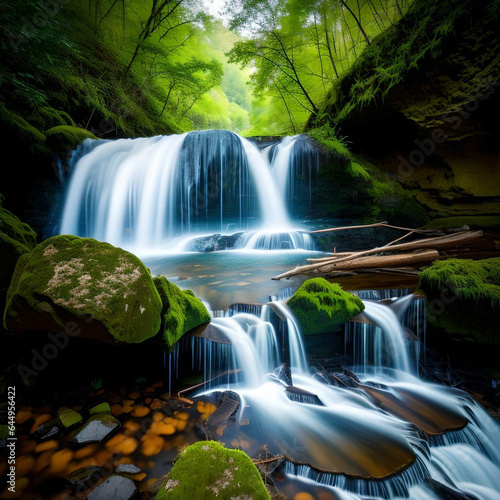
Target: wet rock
284	374
80	286
49	430
101	408
114	488
95	430
302	396
84	478
68	417
214	242
127	469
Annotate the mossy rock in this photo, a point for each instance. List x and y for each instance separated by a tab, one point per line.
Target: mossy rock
320	305
16	126
463	298
472	221
16	239
100	408
208	470
51	117
181	311
68	417
84	287
65	138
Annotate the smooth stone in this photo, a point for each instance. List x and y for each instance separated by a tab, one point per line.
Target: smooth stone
48	430
83	478
114	488
127	469
68	417
95	430
100	408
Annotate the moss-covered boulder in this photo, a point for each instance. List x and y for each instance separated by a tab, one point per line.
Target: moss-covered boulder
181	311
208	470
320	305
66	138
16	239
463	298
84	287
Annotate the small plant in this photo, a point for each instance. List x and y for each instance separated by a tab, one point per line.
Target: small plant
97	384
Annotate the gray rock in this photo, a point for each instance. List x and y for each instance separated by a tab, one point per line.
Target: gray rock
127	469
95	430
114	488
215	242
84	478
49	430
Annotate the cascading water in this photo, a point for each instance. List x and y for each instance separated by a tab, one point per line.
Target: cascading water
361	441
161	192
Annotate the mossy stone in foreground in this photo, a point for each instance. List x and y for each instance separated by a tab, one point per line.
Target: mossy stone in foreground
463	298
83	287
319	305
66	138
208	470
181	311
69	417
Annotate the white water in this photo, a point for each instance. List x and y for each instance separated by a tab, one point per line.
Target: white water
157	194
348	427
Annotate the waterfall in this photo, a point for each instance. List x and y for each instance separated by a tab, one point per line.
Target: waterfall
161	192
340	437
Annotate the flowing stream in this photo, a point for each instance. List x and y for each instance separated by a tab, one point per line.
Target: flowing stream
379	431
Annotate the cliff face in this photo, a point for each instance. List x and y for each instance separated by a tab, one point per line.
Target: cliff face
422	102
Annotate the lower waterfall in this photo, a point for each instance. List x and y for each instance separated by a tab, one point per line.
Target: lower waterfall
343	437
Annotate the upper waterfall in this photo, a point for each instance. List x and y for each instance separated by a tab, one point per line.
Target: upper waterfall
157	192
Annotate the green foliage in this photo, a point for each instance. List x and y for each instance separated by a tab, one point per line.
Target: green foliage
117	69
319	305
298	49
97	384
92	284
181	311
208	470
463	298
419	35
16	239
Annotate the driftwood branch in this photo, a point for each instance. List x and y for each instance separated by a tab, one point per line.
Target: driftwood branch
377	224
358	260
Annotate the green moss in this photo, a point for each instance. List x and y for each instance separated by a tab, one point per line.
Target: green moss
101	408
67	278
15	125
361	190
319	305
473	221
208	470
66	138
181	311
4	431
463	298
47	117
69	417
419	36
16	238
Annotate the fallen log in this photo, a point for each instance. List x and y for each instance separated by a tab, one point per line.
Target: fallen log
380	261
377	224
438	243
